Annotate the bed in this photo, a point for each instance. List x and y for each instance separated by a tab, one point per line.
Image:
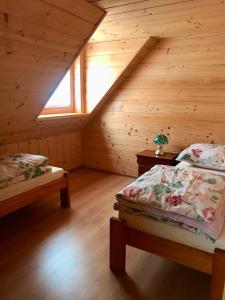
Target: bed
168	241
20	194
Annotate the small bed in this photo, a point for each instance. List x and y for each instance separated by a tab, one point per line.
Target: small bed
169	241
20	194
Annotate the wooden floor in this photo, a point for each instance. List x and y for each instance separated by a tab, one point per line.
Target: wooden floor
48	253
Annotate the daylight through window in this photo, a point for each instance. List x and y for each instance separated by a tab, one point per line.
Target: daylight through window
62	95
62	101
69	95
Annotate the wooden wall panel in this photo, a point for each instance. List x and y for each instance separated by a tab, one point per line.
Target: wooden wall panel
164	18
179	88
39	40
98	94
63	150
105	62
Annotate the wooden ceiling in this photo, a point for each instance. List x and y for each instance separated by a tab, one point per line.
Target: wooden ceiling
39	40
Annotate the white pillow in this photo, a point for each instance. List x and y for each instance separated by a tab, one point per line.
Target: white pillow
209	156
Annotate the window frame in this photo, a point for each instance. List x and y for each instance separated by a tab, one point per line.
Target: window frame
64	109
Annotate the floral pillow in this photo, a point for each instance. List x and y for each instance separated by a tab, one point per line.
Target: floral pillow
209	156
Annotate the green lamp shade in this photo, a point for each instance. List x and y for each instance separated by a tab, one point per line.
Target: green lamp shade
160	139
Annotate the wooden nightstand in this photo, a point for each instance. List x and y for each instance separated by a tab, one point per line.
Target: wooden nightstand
147	159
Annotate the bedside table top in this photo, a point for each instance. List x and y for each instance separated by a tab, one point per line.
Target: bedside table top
151	153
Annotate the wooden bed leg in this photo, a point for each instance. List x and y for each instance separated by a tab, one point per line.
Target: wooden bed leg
65	193
117	245
218	275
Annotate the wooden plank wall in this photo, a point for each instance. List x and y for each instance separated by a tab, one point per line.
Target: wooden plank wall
63	150
104	62
39	40
179	88
106	91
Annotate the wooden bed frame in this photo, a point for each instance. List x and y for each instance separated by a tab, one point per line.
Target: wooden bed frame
122	235
62	184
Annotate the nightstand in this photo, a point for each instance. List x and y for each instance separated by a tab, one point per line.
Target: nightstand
147	159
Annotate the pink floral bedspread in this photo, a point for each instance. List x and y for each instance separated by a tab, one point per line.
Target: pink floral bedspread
189	198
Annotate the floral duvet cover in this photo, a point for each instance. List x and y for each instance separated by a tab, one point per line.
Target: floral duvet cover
20	167
185	197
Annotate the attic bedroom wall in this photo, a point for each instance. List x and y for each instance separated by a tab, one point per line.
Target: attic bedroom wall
39	40
63	150
179	88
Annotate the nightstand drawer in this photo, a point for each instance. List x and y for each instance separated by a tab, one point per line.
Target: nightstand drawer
147	159
151	161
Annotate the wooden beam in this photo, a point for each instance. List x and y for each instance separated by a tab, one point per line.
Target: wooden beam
125	72
82	77
78	89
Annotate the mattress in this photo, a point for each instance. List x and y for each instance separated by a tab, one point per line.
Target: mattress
25	186
171	232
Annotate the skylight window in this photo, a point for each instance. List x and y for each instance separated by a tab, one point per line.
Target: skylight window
62	95
62	101
68	96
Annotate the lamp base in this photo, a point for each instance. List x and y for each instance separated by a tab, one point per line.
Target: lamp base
159	150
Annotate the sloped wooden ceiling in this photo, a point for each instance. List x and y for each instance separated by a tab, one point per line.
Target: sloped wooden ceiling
101	65
39	40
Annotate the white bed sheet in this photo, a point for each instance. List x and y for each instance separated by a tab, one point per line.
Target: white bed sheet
173	233
24	186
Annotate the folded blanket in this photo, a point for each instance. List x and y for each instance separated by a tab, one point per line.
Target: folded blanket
20	166
191	198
